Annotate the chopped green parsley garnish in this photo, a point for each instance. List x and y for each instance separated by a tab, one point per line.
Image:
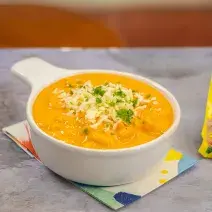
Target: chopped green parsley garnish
98	100
209	150
85	131
107	125
120	93
112	104
99	91
148	96
135	102
125	115
119	101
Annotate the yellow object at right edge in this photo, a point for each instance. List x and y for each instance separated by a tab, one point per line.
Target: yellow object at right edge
206	147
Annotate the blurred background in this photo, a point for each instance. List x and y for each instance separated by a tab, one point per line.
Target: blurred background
105	23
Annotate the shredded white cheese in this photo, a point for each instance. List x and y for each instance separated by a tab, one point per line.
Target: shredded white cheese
108	104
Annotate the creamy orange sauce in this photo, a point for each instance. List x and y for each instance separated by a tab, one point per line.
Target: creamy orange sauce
52	117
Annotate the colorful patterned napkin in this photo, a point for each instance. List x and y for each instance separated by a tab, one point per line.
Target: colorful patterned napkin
115	197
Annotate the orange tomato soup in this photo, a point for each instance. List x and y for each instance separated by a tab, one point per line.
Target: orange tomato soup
102	111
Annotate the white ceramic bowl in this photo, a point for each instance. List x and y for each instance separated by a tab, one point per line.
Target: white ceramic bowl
90	166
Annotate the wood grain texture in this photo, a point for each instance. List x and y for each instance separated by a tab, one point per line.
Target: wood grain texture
35	26
162	28
24	26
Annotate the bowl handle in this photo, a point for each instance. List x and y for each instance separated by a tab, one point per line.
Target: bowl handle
35	71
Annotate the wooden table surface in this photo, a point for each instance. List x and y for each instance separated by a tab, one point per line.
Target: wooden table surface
25	26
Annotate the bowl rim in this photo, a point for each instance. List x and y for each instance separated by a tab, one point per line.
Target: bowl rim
168	95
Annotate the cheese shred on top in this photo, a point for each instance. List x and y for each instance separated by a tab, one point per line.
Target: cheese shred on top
107	104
